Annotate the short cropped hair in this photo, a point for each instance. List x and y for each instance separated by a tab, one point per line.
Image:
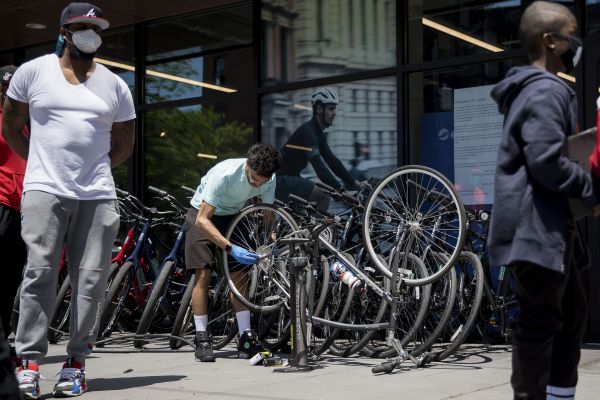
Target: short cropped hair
541	17
265	159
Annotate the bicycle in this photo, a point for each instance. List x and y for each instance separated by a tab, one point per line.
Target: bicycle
130	284
169	286
276	293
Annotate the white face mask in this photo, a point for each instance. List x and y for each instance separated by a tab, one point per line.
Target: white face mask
86	41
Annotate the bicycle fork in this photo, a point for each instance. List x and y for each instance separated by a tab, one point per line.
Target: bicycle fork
392	341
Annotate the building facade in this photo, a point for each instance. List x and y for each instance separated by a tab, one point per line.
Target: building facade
413	76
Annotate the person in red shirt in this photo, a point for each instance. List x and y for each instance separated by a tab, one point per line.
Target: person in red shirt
13	253
595	157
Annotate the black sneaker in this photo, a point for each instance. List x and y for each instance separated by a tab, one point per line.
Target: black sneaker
204	350
248	345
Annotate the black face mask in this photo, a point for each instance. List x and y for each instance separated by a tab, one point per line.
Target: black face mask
571	57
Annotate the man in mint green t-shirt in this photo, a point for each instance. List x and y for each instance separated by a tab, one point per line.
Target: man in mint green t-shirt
222	193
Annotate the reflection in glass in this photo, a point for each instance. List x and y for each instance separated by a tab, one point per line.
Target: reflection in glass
363	133
308	39
455	126
118	49
191	55
117	53
438	29
593	16
182	144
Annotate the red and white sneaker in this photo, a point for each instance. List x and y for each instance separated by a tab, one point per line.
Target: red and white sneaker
28	377
72	380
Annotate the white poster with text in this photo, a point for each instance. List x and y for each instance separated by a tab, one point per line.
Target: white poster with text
477	134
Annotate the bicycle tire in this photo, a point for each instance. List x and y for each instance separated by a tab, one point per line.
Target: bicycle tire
418	202
509	307
409	321
62	308
349	342
420	294
115	299
222	323
158	291
443	296
266	281
468	295
184	316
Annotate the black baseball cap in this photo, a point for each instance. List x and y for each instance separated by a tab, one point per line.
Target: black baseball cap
83	13
6	73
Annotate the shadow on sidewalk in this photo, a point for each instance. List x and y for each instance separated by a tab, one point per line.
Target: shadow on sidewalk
101	384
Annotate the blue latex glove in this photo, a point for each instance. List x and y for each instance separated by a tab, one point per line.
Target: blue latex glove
243	256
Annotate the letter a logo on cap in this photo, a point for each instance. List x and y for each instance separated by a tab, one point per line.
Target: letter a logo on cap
91	13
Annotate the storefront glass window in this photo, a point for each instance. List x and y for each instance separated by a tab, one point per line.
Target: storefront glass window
316	38
441	29
117	53
455	126
363	134
593	16
208	53
182	144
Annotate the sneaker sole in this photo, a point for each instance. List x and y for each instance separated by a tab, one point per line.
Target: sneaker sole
204	360
30	396
68	393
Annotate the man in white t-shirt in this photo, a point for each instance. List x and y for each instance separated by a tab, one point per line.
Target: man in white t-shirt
82	124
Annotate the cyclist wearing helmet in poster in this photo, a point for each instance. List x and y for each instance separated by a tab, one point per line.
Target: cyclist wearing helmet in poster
309	144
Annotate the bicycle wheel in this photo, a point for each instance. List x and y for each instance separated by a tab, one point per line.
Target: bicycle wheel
183	326
508	301
222	324
498	314
159	288
331	300
115	299
264	286
443	296
413	302
373	309
366	307
417	209
59	324
466	307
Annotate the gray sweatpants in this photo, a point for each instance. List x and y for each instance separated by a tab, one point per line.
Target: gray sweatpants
88	228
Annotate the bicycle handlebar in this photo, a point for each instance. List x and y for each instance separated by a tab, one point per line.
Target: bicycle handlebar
188	189
298	199
173	202
159	192
340	195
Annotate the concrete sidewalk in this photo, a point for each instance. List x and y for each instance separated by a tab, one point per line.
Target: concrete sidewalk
121	372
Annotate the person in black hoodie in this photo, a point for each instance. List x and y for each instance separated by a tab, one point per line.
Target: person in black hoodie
532	229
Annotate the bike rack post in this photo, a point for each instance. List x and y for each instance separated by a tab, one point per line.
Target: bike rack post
298	361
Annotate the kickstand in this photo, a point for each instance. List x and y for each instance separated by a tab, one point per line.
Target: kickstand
389	366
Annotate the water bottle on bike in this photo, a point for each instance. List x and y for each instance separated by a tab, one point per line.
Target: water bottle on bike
344	274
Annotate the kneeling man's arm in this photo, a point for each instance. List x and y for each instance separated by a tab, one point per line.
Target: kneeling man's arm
204	223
